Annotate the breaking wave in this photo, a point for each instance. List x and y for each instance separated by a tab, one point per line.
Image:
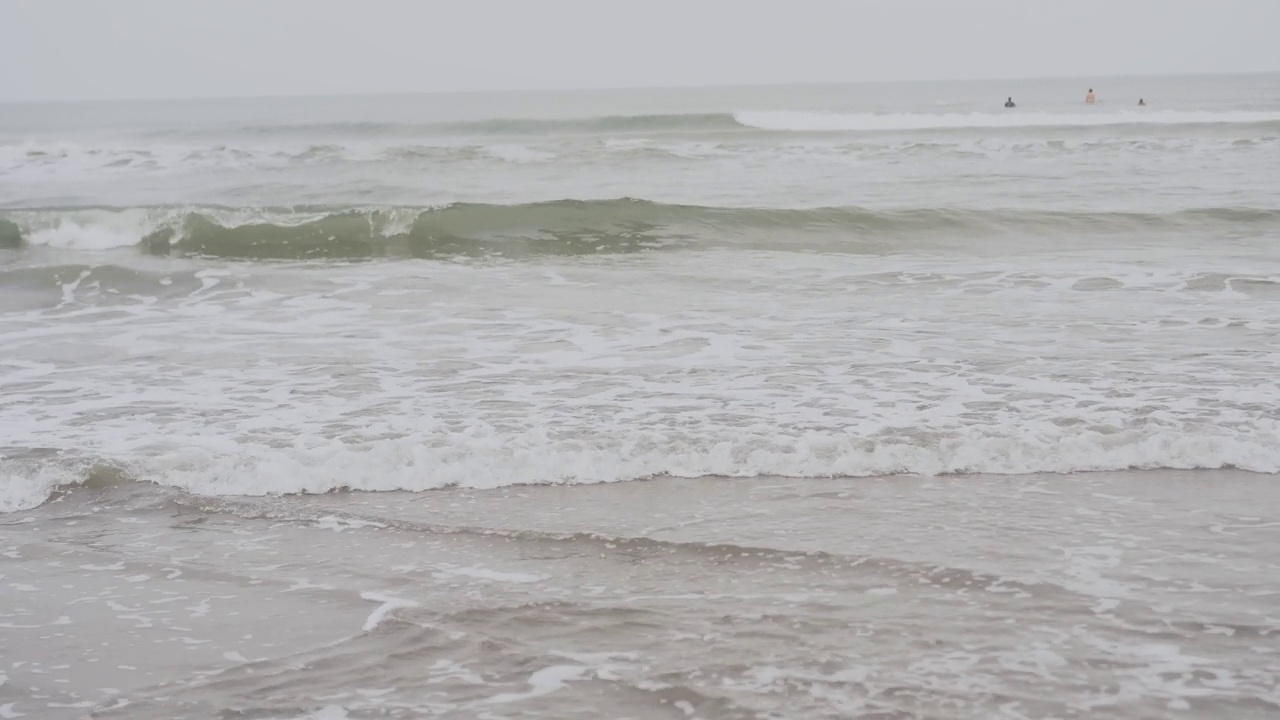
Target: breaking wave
427	462
562	227
754	120
833	122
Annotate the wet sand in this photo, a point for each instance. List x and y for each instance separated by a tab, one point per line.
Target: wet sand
1108	595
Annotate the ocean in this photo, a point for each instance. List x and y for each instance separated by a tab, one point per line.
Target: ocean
874	401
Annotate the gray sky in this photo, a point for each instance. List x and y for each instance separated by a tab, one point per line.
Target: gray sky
90	49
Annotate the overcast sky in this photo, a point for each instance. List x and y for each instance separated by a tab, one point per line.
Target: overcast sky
91	49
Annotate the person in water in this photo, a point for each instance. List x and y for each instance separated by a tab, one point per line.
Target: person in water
1142	103
1009	103
1090	98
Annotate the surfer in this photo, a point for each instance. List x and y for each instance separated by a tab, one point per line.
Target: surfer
1090	98
1009	103
1142	103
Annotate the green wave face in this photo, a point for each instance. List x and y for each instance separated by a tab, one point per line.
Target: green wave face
571	227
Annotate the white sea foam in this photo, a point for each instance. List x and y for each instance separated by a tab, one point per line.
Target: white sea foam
91	230
418	462
980	367
388	604
104	229
830	121
27	485
741	459
516	153
542	682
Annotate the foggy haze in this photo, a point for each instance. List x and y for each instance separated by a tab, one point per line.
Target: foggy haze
82	49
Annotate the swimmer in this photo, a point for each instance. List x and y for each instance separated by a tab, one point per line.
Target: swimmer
1090	98
1009	103
1142	103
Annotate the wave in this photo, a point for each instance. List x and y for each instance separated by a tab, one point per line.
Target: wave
424	461
689	122
832	122
767	136
561	227
747	120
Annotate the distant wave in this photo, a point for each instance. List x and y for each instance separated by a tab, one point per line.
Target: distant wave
699	137
831	122
749	120
496	126
562	227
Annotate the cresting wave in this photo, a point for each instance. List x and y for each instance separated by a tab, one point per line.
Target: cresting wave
852	122
754	120
219	466
562	227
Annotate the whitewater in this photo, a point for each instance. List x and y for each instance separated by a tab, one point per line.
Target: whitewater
496	379
813	291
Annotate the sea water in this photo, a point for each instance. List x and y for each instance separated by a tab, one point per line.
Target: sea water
801	292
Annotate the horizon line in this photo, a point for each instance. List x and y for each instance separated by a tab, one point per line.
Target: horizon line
612	88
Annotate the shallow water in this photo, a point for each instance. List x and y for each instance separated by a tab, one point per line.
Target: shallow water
1101	595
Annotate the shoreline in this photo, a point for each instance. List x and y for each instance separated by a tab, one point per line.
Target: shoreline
454	601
